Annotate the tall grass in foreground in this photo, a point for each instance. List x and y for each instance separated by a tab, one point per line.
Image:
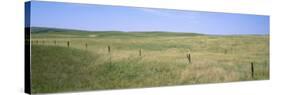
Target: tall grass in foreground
57	69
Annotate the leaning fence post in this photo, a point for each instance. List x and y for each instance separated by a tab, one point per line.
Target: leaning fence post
252	69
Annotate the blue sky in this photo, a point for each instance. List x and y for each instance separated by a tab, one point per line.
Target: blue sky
102	18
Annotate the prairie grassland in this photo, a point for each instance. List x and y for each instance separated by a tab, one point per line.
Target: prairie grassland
163	62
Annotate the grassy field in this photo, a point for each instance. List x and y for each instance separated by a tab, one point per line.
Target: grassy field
163	62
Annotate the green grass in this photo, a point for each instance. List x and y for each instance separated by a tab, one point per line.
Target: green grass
57	68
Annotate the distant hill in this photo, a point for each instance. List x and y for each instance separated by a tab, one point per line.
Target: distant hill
58	32
47	29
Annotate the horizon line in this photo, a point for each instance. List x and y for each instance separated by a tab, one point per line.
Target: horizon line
85	30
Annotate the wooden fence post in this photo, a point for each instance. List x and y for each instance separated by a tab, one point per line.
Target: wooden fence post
140	52
86	45
55	42
188	56
108	49
252	70
68	43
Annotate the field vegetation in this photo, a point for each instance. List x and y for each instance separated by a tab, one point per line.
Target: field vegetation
115	60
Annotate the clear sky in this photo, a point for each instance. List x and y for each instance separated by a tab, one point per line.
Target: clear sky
102	18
